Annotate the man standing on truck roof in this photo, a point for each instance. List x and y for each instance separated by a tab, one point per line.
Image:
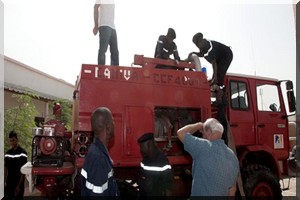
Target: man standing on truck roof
165	47
97	171
104	16
215	166
156	173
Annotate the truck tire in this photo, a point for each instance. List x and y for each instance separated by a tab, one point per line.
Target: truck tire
260	181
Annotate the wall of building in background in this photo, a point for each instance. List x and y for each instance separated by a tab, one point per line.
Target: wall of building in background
22	79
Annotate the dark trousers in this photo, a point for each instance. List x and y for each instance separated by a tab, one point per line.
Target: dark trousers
223	66
222	119
9	192
108	36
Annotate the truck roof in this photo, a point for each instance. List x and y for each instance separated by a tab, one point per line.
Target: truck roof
252	76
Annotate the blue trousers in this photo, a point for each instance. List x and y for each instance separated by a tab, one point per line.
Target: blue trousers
108	36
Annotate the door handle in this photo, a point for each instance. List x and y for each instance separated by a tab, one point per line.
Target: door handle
234	125
261	125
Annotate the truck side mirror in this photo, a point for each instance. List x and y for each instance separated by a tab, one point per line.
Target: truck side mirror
289	85
291	100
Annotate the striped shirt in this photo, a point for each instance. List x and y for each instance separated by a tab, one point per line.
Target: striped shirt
13	161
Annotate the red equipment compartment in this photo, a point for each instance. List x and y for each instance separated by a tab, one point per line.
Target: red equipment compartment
136	96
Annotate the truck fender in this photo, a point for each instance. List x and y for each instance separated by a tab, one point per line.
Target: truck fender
264	151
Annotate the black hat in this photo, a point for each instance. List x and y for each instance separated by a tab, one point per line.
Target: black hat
145	137
171	33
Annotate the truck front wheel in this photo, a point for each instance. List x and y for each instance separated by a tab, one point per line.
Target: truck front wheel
260	181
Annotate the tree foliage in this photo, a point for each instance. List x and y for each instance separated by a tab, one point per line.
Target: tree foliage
20	119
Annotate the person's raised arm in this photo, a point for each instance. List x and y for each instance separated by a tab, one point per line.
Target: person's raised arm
96	14
176	54
189	129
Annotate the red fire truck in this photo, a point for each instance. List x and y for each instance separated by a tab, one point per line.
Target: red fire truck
145	99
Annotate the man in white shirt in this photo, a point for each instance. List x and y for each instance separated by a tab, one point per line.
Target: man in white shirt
104	16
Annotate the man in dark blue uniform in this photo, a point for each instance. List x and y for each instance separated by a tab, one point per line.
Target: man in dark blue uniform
156	173
97	170
165	47
219	55
14	159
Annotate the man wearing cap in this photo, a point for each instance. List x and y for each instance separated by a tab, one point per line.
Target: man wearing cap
165	47
156	173
97	171
215	166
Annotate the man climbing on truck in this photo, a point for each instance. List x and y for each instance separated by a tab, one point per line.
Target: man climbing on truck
219	55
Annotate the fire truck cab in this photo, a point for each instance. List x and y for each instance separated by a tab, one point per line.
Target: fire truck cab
258	123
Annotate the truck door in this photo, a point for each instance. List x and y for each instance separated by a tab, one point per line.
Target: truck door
139	120
241	117
271	125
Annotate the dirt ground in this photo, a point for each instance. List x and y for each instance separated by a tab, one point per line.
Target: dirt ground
288	186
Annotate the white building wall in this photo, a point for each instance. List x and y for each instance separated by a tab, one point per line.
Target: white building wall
20	78
41	106
28	77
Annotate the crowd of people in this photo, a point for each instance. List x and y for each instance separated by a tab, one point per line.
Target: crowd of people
211	156
216	53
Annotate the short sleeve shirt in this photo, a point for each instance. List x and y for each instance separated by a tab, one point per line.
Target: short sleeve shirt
106	12
215	166
13	161
216	51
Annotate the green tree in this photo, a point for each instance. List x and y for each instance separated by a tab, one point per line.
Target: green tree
20	119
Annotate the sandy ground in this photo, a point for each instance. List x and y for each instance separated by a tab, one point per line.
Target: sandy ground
288	186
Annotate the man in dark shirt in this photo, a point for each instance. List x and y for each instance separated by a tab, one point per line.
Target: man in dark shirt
14	159
156	173
165	47
97	170
219	55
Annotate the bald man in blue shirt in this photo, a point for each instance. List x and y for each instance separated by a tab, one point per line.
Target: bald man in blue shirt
215	166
